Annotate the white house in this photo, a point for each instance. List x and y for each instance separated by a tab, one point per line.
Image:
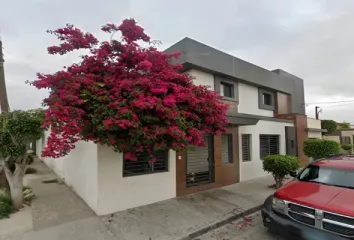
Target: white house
266	116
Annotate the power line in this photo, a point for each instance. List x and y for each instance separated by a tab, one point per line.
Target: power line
317	103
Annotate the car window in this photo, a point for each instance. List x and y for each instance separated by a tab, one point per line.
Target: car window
328	176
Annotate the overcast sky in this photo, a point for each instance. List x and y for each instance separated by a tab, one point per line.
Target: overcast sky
313	39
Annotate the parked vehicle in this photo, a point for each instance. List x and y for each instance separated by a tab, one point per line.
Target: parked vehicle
317	204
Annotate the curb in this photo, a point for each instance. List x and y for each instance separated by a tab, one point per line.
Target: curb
222	222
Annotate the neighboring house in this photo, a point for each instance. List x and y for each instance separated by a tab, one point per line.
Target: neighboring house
266	115
314	128
342	136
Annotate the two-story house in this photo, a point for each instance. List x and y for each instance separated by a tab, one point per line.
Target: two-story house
266	115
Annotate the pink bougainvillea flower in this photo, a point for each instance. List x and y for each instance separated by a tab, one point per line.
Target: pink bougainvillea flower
124	95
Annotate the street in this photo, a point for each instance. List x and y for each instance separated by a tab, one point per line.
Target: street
249	228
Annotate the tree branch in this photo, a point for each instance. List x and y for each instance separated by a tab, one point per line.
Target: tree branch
7	170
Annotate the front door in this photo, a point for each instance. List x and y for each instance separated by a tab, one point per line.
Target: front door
291	142
200	164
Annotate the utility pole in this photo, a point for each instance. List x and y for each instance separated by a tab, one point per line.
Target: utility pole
4	103
317	111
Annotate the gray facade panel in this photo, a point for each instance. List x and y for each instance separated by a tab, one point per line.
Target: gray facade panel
203	56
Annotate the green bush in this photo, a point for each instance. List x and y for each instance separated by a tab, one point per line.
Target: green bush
347	147
5	204
5	196
329	125
320	148
30	159
5	210
280	166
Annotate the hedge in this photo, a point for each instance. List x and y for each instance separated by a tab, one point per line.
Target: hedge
280	166
320	148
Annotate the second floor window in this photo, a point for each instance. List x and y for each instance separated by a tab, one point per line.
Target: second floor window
267	99
227	90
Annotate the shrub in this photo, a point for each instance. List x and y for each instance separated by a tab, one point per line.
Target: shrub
30	159
329	125
280	166
347	147
5	196
320	148
5	210
31	170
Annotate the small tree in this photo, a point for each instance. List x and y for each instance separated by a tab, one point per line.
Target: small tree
344	125
125	95
329	125
17	130
347	147
320	148
280	166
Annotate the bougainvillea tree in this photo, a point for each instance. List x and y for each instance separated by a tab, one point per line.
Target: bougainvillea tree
17	130
125	95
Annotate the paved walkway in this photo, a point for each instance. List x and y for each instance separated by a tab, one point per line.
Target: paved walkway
57	213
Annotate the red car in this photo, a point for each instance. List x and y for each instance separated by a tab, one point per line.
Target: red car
317	204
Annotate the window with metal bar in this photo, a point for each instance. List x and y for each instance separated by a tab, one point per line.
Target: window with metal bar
345	140
226	148
143	165
268	145
246	147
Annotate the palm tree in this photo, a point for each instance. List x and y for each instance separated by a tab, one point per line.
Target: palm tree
4	103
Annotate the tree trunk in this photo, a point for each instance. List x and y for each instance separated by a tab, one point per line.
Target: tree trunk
278	181
16	185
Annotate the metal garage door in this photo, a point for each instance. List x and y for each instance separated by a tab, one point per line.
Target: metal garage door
200	164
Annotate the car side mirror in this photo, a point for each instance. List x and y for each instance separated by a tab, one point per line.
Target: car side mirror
293	174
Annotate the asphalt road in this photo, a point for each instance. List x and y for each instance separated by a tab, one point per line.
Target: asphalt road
250	228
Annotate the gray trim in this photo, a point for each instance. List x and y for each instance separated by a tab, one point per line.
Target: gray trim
261	105
218	79
259	117
316	130
242	120
216	61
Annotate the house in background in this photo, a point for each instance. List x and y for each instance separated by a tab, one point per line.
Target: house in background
342	136
314	128
266	116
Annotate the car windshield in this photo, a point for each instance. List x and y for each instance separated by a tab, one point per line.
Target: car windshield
328	176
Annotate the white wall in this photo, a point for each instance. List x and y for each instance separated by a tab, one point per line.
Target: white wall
78	169
202	78
118	193
248	101
253	169
314	123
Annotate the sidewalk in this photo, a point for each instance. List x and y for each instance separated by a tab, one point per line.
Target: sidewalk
57	213
191	216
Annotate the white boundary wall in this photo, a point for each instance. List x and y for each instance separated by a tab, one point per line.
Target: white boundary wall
95	173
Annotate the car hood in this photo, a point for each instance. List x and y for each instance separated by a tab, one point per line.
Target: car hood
329	198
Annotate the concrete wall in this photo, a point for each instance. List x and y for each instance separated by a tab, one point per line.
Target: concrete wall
348	134
118	193
314	123
248	101
78	169
95	173
334	138
202	78
253	169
